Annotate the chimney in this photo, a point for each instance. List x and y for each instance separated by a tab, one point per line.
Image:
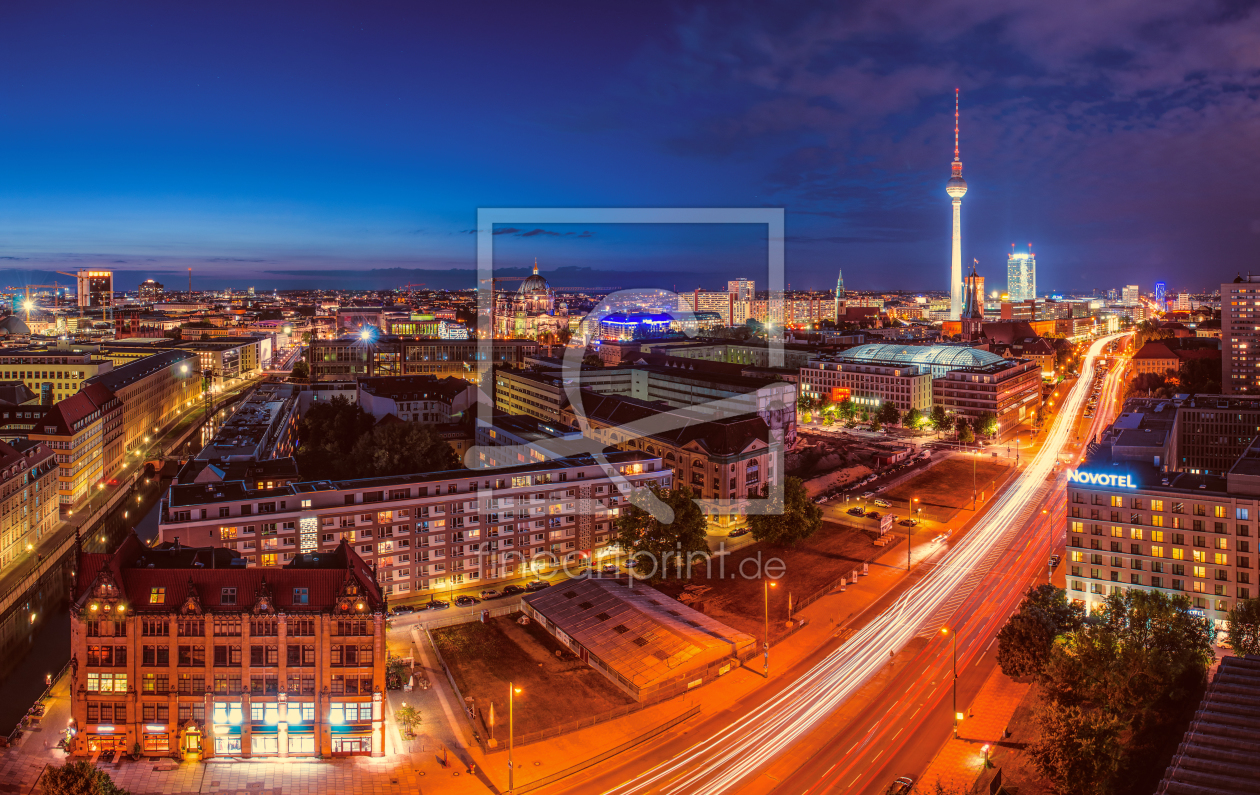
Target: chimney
176	543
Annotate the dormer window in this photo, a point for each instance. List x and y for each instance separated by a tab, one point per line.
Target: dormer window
227	596
157	596
301	596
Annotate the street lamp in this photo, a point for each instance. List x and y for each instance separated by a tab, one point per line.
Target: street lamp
954	637
512	692
767	585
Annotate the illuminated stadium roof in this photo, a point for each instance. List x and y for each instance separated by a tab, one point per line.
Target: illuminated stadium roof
937	357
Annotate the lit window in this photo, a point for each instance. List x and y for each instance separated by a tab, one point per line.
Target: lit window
301	596
157	596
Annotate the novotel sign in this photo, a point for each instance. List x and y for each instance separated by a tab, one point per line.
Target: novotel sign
1101	479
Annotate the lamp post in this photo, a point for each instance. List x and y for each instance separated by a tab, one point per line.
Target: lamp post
766	586
512	691
954	638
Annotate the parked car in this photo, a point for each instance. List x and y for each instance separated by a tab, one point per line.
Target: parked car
537	585
512	590
855	512
874	515
490	593
466	601
438	604
881	503
401	610
868	495
737	532
609	568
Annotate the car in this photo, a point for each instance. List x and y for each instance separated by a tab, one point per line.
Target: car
737	532
1054	561
437	604
609	568
881	503
490	593
868	495
874	515
400	610
466	601
855	512
512	590
901	786
537	585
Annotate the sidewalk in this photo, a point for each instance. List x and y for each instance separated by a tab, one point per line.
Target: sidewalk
961	761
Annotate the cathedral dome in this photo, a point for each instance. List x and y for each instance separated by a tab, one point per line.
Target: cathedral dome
534	285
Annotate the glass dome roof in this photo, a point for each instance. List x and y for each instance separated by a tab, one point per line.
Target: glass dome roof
949	357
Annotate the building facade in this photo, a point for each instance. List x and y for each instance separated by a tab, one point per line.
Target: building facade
28	497
154	392
55	372
85	431
415	398
349	358
423	533
185	654
1021	275
1240	333
908	386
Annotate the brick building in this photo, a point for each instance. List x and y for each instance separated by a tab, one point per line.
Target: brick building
186	653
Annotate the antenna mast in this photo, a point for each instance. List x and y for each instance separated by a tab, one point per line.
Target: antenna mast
955	125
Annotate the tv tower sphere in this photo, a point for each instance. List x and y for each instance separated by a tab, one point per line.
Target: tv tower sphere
956	187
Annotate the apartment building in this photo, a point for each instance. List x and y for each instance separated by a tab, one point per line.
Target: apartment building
423	533
1010	390
154	391
1240	335
1133	525
415	398
28	496
907	386
188	654
85	431
53	372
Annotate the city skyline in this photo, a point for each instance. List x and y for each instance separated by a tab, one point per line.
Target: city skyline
358	143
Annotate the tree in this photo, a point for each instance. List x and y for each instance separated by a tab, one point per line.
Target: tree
987	424
1078	750
592	360
401	448
1244	627
307	337
79	778
846	409
789	520
875	424
301	371
327	435
941	421
965	436
407	717
914	419
1025	642
673	542
888	413
804	403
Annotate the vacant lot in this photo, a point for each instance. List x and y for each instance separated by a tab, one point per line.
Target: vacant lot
736	595
484	658
948	484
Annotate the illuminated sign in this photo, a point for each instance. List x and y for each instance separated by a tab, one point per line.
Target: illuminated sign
839	394
1101	479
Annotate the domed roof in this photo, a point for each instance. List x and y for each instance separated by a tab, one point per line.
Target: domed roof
534	284
947	356
956	187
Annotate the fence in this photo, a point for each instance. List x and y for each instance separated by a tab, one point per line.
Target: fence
468	618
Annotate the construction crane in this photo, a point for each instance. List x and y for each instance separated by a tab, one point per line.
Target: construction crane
27	303
75	276
408	287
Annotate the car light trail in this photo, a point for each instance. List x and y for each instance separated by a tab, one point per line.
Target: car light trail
722	761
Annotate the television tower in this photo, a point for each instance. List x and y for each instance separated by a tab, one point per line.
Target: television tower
839	293
956	188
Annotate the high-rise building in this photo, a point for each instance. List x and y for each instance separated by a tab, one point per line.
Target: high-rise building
1183	302
956	188
151	290
1021	274
1161	290
744	289
1240	330
96	289
839	293
1131	293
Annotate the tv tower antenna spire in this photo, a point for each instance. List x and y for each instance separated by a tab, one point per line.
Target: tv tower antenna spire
955	125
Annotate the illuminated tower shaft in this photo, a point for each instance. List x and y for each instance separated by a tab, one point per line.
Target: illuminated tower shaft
956	188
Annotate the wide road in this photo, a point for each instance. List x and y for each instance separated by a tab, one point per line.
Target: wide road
793	727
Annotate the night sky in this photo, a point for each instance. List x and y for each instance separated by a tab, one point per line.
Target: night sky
266	142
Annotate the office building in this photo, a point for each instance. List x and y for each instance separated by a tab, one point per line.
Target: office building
85	431
183	652
742	289
151	290
1021	275
96	289
422	533
1240	336
868	384
1130	294
53	372
1161	291
28	497
154	391
351	357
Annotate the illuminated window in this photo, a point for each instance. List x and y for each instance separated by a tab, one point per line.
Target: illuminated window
1222	543
1200	556
1157	521
157	596
1136	534
1157	505
1157	552
1117	532
269	559
1117	502
1200	571
1222	559
1179	554
1220	511
1078	527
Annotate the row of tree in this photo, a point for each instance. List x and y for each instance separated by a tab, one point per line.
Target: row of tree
337	440
1113	682
850	414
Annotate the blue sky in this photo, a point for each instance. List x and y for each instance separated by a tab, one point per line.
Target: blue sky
267	142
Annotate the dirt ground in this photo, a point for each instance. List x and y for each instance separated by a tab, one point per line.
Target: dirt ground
484	658
948	484
739	601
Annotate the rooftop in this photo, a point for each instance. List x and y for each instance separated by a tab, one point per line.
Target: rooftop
127	374
947	356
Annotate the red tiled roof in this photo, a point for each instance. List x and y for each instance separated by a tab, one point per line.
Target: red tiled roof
324	584
1155	350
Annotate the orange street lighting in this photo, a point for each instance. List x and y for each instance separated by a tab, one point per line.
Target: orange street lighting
957	714
767	585
513	691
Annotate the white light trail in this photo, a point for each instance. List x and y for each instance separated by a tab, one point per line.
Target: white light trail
722	761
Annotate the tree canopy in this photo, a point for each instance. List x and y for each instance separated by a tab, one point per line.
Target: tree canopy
1244	627
301	371
1025	642
788	520
79	778
940	420
338	439
662	547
